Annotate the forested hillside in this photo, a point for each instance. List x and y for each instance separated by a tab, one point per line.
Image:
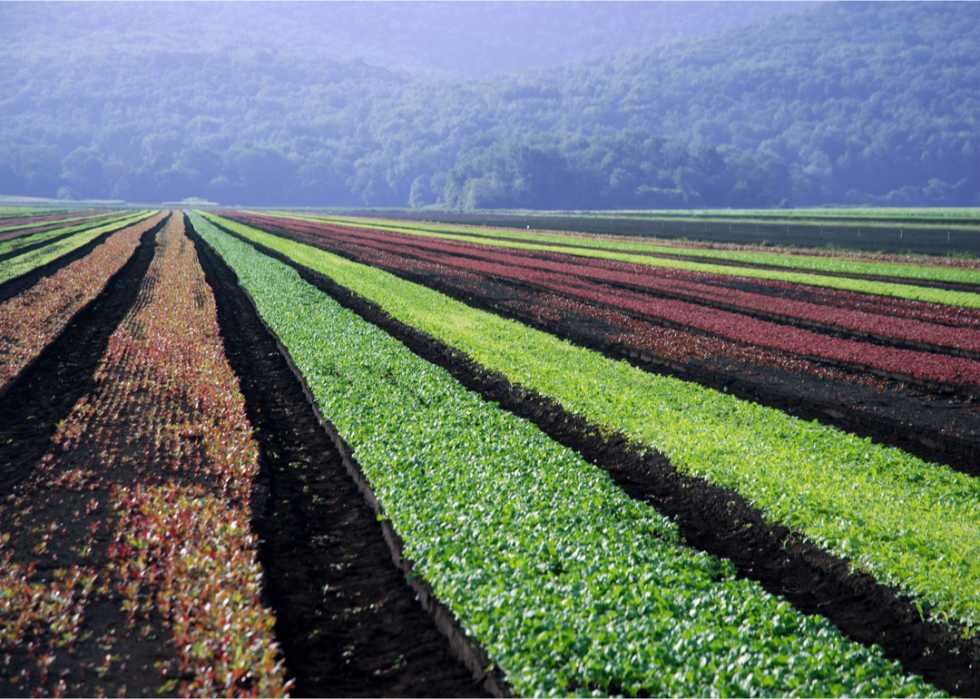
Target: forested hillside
834	103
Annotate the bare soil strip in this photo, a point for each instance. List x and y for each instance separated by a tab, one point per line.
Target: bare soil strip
347	621
46	391
716	520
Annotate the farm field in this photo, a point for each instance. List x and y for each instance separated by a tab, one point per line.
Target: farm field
599	467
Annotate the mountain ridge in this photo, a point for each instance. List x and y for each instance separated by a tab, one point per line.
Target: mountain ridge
838	103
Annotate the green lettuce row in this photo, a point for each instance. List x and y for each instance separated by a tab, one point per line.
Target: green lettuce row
35	238
583	247
909	523
22	264
570	585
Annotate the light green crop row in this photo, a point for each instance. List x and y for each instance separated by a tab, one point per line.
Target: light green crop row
624	252
909	523
571	586
22	264
15	244
38	224
17	212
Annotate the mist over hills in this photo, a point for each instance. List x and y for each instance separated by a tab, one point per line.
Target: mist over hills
831	103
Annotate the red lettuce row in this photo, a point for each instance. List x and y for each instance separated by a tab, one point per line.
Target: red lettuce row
577	281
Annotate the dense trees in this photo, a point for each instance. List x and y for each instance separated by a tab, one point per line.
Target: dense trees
838	103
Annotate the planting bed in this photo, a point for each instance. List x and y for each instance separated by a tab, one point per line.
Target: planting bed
892	408
228	475
149	439
31	320
366	635
490	344
8	234
570	588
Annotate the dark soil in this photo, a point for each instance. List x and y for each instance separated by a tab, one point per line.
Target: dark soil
46	391
34	246
38	399
20	284
937	426
718	521
348	622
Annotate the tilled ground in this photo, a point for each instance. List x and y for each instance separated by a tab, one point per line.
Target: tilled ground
718	521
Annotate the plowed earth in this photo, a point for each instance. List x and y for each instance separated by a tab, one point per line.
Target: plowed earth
717	520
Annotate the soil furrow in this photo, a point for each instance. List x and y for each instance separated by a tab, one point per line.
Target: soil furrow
348	622
716	520
47	390
18	285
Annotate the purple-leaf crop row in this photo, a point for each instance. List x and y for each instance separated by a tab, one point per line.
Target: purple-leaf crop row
163	446
800	302
31	320
683	283
678	345
568	280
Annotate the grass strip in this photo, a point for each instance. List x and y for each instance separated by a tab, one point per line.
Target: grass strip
907	522
571	586
906	291
23	264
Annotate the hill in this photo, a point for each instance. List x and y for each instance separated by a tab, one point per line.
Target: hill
839	102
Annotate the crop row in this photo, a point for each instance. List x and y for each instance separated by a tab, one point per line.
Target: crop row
9	248
603	243
17	232
670	343
909	523
22	264
30	321
570	585
589	284
14	223
900	290
812	295
159	457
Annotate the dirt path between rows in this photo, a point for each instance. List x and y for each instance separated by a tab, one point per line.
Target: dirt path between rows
715	520
347	621
47	390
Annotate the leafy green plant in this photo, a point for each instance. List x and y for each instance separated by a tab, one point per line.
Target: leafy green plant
571	586
909	523
632	252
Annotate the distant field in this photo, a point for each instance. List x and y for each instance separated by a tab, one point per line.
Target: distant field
940	231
